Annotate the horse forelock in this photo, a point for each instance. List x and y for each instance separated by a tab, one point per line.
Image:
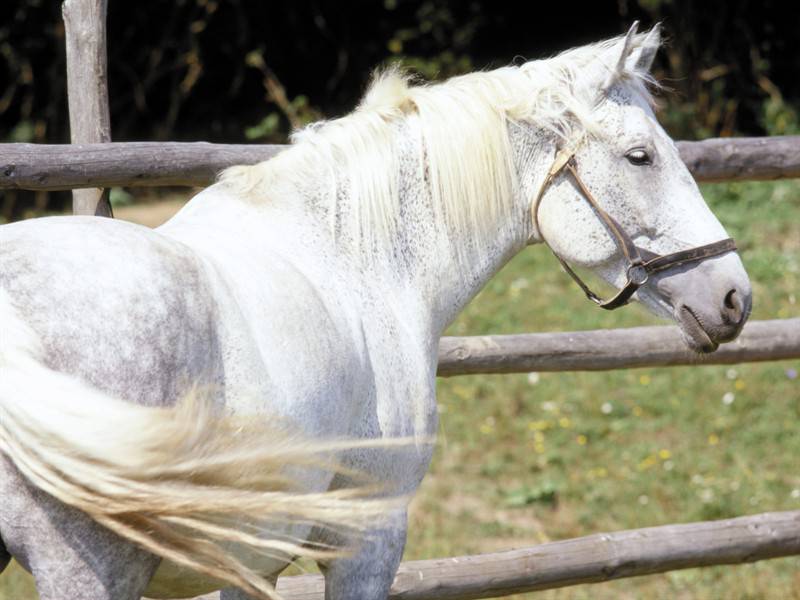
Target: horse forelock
462	129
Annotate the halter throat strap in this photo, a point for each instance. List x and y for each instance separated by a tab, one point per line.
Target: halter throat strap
641	263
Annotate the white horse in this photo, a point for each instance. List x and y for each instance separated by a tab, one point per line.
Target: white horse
314	288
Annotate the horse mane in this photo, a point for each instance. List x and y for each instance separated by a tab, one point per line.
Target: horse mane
465	154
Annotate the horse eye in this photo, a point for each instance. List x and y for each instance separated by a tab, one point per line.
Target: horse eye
638	157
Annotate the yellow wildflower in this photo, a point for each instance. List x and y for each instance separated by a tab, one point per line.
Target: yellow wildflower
539	425
647	463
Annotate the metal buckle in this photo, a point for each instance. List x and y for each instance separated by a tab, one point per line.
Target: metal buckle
562	158
637	274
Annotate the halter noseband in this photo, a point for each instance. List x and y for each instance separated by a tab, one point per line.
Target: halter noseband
641	262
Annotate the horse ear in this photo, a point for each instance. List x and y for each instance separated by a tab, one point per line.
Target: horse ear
619	64
641	59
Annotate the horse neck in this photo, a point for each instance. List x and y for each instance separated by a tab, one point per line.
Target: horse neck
434	273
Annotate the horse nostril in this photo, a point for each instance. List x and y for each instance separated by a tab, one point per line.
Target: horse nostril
734	308
729	299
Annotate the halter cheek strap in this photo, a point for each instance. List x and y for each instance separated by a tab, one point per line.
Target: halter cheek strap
638	269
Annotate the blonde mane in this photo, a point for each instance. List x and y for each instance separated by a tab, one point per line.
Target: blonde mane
465	157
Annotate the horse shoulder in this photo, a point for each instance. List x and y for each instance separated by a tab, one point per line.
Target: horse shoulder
290	315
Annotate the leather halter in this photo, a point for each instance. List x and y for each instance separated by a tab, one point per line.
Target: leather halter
641	262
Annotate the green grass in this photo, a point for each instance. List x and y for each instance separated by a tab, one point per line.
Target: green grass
527	458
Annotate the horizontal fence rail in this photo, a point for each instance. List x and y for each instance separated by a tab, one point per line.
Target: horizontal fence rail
128	164
590	559
741	159
606	349
122	164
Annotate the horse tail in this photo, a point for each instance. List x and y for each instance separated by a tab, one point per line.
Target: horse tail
181	482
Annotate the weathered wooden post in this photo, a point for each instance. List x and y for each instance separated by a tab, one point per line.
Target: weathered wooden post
87	89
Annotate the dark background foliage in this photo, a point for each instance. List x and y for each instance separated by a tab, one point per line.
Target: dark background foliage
238	70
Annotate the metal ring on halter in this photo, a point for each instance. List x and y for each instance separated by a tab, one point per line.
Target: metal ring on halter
637	274
638	271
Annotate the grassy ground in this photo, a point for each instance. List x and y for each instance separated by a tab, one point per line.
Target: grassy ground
528	458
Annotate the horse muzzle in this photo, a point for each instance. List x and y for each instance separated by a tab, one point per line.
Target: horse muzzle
709	306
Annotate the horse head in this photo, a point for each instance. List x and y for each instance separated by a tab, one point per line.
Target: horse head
618	187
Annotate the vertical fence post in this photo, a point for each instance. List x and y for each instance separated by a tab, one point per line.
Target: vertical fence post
87	89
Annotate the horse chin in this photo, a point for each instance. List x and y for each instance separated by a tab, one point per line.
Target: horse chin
695	336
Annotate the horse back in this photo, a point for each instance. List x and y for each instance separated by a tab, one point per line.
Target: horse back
116	304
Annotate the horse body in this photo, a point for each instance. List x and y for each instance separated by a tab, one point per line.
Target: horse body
312	290
324	379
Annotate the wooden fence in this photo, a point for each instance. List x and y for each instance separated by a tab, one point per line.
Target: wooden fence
93	163
65	166
606	349
591	559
